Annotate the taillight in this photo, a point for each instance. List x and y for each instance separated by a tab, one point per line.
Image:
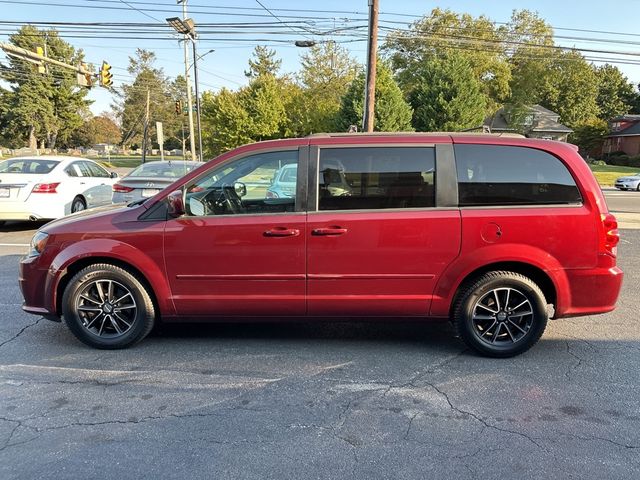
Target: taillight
45	188
610	234
121	188
271	194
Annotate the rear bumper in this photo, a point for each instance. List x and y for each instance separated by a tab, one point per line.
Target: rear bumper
592	291
30	210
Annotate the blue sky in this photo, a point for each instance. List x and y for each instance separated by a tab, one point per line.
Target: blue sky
225	66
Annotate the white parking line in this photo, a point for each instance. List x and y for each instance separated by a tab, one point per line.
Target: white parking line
14	244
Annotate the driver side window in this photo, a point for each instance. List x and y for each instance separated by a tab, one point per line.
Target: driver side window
261	183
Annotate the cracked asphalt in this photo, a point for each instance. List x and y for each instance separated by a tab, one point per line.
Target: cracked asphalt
322	401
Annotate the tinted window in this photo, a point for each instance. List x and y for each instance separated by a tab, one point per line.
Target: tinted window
501	175
31	166
376	178
244	186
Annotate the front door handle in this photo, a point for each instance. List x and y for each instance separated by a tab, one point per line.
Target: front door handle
282	232
329	231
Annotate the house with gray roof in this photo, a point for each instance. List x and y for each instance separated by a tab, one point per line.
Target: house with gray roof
537	122
624	135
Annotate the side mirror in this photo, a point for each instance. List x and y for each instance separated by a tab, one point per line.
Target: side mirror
176	204
240	188
113	175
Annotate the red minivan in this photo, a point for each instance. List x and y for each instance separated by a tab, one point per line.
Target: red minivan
496	233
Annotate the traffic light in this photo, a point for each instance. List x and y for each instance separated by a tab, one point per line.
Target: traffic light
178	107
106	77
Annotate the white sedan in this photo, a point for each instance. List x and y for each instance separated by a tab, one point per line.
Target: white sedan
631	182
47	187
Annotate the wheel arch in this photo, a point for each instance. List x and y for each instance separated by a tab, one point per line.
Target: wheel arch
536	274
80	255
87	261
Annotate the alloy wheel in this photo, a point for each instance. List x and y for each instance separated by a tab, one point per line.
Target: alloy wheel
106	308
502	316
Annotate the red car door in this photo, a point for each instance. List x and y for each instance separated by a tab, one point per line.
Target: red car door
376	241
240	249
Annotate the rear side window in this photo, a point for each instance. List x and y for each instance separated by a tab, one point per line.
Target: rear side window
504	175
376	178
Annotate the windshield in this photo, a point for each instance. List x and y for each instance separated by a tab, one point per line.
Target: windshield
27	165
157	169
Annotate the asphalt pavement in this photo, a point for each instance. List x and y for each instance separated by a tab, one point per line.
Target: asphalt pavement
324	401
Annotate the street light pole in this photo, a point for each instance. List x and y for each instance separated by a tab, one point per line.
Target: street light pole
195	75
192	137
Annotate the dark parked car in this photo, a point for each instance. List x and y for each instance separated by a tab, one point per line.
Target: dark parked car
149	178
479	229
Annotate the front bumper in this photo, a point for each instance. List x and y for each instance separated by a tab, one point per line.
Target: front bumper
34	283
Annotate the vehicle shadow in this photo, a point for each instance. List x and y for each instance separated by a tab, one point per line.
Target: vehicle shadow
387	331
18	226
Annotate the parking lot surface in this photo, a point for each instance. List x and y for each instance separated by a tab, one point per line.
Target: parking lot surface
311	400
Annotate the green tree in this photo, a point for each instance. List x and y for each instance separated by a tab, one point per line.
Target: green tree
532	60
392	112
326	73
45	107
98	129
264	62
571	89
589	136
443	32
448	97
131	104
225	122
615	92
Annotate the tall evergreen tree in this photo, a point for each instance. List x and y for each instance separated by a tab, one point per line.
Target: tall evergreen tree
447	96
264	62
44	107
392	112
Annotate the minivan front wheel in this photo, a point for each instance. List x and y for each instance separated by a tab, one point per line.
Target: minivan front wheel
500	314
107	307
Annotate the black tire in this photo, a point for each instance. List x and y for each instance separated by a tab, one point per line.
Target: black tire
638	187
485	318
78	205
94	319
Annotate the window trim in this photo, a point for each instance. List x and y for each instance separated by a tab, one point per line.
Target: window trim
314	171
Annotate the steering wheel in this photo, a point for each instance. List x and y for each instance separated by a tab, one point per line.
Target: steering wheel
232	201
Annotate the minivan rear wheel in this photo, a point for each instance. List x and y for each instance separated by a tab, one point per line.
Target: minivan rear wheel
107	307
500	314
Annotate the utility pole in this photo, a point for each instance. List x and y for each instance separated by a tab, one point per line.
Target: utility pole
145	131
185	39
372	55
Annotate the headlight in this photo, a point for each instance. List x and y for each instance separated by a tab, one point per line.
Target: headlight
38	243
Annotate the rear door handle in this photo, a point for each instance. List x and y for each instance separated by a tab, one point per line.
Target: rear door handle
329	231
282	232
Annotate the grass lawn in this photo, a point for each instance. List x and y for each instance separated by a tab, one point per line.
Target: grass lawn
130	162
607	174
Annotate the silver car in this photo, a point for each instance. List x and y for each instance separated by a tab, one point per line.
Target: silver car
149	178
632	182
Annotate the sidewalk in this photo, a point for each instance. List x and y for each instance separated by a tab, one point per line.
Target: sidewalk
628	220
